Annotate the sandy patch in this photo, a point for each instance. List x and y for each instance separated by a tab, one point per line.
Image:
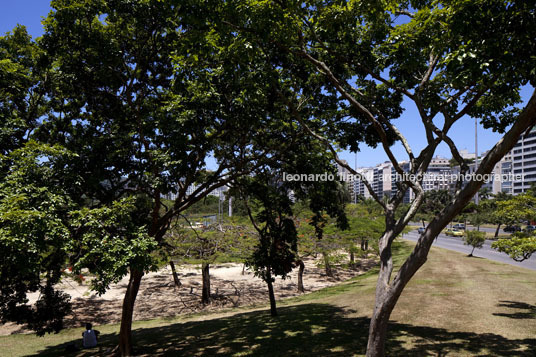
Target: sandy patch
158	296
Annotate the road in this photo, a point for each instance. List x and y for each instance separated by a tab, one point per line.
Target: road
456	244
470	227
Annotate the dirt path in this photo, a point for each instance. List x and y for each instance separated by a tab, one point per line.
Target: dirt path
158	297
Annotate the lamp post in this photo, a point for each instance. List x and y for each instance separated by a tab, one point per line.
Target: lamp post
476	155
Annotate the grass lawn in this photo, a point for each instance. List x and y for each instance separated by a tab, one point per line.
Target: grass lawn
455	305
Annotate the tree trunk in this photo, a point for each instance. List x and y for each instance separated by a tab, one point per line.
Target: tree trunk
497	230
423	224
300	276
273	307
125	332
471	254
381	313
205	295
243	268
176	280
352	258
387	293
329	271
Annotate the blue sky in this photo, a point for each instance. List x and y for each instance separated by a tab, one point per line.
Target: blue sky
30	13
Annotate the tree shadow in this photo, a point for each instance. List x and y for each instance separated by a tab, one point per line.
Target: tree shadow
529	313
309	329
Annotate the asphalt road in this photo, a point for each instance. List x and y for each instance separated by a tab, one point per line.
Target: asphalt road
470	227
456	244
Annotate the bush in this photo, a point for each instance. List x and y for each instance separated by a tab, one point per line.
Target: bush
475	239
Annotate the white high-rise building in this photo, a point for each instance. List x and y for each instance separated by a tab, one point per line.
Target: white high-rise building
524	162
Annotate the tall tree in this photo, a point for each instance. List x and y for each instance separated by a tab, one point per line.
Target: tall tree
143	93
275	252
367	57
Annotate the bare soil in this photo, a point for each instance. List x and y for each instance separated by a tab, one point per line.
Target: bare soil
158	297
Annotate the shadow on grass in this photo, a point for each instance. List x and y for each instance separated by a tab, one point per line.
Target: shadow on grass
309	329
529	313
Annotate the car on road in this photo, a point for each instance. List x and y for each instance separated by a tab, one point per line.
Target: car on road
421	230
512	228
529	229
459	226
454	232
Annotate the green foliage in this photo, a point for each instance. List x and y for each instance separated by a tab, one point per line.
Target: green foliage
434	202
209	244
517	208
475	239
21	92
110	242
520	246
34	230
275	252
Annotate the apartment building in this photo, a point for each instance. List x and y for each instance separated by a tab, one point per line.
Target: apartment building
524	162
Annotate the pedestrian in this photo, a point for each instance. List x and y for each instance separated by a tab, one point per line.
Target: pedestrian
89	336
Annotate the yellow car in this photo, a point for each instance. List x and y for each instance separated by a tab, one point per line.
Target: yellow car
454	232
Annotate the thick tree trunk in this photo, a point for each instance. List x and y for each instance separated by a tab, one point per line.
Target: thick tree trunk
300	276
125	331
329	271
497	230
176	280
273	307
205	295
388	292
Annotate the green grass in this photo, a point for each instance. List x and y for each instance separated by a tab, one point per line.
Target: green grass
455	305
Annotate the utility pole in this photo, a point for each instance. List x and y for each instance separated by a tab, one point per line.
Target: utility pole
476	155
220	210
353	179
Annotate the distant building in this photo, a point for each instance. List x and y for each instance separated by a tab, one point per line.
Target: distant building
347	177
193	187
524	162
359	186
437	177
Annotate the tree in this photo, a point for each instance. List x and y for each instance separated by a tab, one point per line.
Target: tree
202	246
275	252
520	246
34	211
475	239
433	203
34	229
490	207
141	105
366	57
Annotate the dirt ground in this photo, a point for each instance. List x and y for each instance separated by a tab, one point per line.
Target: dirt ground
158	296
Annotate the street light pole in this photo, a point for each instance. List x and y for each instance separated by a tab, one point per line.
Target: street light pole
353	178
476	155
